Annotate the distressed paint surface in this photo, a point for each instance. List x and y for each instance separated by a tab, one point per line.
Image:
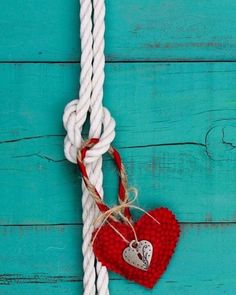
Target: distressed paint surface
49	263
136	30
176	124
178	146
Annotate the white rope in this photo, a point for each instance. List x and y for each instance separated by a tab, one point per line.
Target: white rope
96	110
102	125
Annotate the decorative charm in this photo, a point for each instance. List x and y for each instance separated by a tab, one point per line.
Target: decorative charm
163	238
140	251
138	254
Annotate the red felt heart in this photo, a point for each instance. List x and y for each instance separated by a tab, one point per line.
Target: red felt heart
109	246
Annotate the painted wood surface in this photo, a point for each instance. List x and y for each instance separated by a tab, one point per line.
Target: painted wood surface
44	30
176	122
175	129
47	259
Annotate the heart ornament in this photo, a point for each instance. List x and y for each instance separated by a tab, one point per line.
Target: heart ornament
146	260
140	251
138	254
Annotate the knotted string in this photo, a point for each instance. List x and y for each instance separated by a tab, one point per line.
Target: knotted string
123	186
123	209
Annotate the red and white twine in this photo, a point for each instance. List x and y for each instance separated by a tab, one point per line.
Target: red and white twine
121	212
123	197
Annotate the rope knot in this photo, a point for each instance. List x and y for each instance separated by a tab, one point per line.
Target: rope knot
86	145
73	120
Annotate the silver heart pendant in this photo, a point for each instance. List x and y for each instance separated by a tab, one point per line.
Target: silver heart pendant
138	254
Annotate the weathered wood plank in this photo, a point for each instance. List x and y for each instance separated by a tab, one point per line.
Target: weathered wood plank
136	30
48	259
155	102
39	186
175	129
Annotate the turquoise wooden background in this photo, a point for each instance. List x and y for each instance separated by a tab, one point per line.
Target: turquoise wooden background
171	86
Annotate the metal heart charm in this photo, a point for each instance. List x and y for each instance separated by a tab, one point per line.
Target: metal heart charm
138	254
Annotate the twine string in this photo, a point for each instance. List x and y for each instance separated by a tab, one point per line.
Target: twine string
121	211
118	210
123	183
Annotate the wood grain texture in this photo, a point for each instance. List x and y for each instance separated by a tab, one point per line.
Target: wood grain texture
47	259
176	124
175	129
45	30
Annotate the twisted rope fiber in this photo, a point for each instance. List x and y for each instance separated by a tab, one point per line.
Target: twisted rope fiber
102	125
82	107
97	113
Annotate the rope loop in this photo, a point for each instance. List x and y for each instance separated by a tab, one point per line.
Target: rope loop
123	193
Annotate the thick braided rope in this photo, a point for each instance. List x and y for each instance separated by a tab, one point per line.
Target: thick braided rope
82	106
91	94
96	110
74	117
